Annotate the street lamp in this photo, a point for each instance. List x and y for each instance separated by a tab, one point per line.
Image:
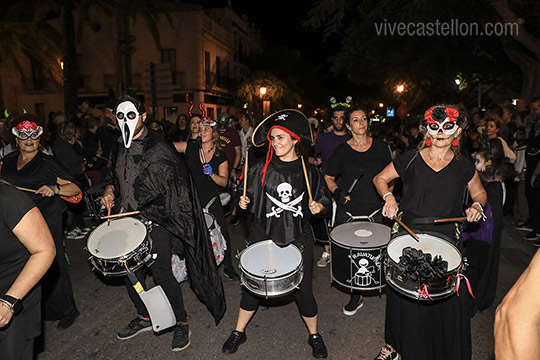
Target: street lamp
400	88
381	105
299	106
262	91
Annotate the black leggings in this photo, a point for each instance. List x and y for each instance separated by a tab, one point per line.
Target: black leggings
307	305
162	271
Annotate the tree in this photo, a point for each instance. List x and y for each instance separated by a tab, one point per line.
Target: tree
431	62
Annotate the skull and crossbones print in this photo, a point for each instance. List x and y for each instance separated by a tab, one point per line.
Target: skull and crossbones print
286	203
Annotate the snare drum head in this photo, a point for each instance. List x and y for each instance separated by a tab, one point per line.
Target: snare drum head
117	239
209	220
265	258
363	235
428	244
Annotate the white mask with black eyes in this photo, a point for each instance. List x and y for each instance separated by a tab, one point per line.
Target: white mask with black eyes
127	116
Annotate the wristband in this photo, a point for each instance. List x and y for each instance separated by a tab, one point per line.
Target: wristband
385	195
57	189
481	209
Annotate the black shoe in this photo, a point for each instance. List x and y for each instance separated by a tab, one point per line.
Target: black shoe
134	328
533	235
182	334
236	339
230	273
354	305
317	344
67	321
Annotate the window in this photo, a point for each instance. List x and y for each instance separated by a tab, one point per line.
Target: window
207	69
219	82
168	56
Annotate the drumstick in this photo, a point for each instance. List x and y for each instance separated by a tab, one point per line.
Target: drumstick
407	228
456	219
26	189
307	179
109	214
120	215
245	173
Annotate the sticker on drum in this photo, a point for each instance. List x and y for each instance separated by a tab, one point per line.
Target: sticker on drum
117	239
357	252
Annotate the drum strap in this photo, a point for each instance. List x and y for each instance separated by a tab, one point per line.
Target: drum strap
210	203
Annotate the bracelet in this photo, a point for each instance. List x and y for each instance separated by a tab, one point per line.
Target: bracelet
57	189
481	209
6	304
385	195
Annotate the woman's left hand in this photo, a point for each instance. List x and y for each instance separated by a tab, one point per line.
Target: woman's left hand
46	191
315	207
474	213
5	315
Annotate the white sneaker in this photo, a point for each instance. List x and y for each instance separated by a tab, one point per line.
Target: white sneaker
75	234
324	260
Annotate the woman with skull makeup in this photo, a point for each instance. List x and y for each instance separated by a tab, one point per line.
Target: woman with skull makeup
281	177
361	158
30	168
210	169
434	181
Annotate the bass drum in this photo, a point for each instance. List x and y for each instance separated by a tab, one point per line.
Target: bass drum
269	270
439	288
357	252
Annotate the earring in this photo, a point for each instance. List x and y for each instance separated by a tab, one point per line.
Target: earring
455	142
428	142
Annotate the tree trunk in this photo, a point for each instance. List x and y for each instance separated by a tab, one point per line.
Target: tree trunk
71	82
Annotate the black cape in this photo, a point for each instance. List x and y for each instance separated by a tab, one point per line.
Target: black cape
167	196
286	184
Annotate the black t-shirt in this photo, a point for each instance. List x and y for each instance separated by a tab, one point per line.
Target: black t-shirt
347	162
13	255
206	187
430	193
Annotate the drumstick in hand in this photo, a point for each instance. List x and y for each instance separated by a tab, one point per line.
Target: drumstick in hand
109	216
307	179
406	228
456	219
245	173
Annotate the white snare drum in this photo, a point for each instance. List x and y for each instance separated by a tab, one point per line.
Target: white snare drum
269	270
428	243
357	252
124	240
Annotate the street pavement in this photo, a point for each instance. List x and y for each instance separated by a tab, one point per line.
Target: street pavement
275	332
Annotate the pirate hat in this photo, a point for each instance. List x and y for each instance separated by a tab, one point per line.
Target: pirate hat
291	121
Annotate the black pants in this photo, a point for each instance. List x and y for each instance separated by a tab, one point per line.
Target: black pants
217	210
533	199
162	272
58	300
307	305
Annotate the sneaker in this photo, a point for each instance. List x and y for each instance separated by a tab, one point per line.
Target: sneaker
236	339
181	337
353	306
317	344
230	273
387	354
520	225
324	260
531	236
84	230
74	234
134	328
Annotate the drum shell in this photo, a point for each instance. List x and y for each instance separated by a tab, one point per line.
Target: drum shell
134	260
343	270
269	286
439	288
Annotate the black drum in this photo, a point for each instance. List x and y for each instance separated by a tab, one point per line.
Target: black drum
357	251
93	201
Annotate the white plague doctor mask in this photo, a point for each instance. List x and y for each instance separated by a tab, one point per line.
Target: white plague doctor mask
127	116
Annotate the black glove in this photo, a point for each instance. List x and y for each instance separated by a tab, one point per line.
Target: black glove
339	196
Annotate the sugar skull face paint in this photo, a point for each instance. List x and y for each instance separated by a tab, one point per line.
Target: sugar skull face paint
445	120
27	129
127	116
447	127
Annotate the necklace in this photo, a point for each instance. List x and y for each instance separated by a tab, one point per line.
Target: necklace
433	159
